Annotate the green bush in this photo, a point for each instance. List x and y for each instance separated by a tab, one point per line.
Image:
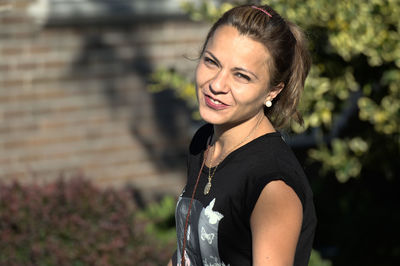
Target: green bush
160	220
74	223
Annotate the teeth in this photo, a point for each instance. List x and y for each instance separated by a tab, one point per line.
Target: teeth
215	101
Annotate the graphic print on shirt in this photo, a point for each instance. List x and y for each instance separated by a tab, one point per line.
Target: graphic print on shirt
202	235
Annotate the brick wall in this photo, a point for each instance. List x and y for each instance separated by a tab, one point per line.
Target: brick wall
73	100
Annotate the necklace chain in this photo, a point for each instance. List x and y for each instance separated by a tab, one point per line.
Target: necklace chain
207	187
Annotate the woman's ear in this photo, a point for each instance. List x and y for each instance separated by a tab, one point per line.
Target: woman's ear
275	91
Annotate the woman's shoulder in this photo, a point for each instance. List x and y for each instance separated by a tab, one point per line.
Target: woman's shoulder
271	147
271	158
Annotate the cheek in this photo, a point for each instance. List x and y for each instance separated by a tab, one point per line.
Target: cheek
204	75
249	97
200	71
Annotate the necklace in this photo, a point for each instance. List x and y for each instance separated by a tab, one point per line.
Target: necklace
211	174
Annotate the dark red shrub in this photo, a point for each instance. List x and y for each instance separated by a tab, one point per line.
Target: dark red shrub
73	223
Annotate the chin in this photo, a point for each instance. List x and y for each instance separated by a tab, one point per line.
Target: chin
212	117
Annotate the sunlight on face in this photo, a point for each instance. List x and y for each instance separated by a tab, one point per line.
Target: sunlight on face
232	77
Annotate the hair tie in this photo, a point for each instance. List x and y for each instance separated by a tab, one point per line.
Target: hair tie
262	10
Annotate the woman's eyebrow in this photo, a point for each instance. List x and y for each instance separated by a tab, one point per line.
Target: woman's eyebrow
214	57
235	69
245	70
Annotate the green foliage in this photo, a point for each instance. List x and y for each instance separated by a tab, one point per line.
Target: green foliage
317	260
184	89
205	10
160	219
353	27
357	50
356	54
342	156
73	223
385	116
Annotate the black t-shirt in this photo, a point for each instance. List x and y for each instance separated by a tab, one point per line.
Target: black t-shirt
219	224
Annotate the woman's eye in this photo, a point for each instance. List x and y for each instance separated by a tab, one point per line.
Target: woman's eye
243	76
208	60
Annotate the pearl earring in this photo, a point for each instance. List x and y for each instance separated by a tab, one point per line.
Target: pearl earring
268	103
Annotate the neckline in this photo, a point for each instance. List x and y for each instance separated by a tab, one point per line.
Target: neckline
238	150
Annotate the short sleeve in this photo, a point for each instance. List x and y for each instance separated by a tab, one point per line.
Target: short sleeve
254	188
257	184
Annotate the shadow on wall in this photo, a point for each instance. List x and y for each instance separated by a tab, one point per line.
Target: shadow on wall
117	55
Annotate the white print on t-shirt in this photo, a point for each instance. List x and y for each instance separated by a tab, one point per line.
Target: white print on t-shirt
204	236
183	191
215	263
213	216
188	232
187	260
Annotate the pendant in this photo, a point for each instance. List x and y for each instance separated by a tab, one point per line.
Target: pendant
207	188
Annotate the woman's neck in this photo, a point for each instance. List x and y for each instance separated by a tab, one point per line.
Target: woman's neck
229	137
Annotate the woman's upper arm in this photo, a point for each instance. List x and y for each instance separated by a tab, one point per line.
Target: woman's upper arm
275	225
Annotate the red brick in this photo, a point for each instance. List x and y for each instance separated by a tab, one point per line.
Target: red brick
27	66
11	51
65	121
4	68
11	83
39	49
12	20
56	64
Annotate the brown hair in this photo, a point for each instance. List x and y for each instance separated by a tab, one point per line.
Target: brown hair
287	46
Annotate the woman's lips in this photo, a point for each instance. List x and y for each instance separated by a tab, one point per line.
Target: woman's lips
214	103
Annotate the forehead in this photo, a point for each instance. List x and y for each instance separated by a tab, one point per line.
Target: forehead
229	46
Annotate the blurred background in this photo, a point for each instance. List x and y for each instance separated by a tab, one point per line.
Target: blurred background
97	108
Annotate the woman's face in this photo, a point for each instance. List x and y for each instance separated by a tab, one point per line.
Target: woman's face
232	78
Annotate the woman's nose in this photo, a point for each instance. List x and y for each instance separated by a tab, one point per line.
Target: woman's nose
219	83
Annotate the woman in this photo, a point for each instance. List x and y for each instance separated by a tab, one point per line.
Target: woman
247	200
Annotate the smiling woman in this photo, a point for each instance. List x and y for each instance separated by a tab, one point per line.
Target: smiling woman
254	205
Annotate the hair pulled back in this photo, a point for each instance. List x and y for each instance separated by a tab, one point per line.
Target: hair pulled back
290	60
